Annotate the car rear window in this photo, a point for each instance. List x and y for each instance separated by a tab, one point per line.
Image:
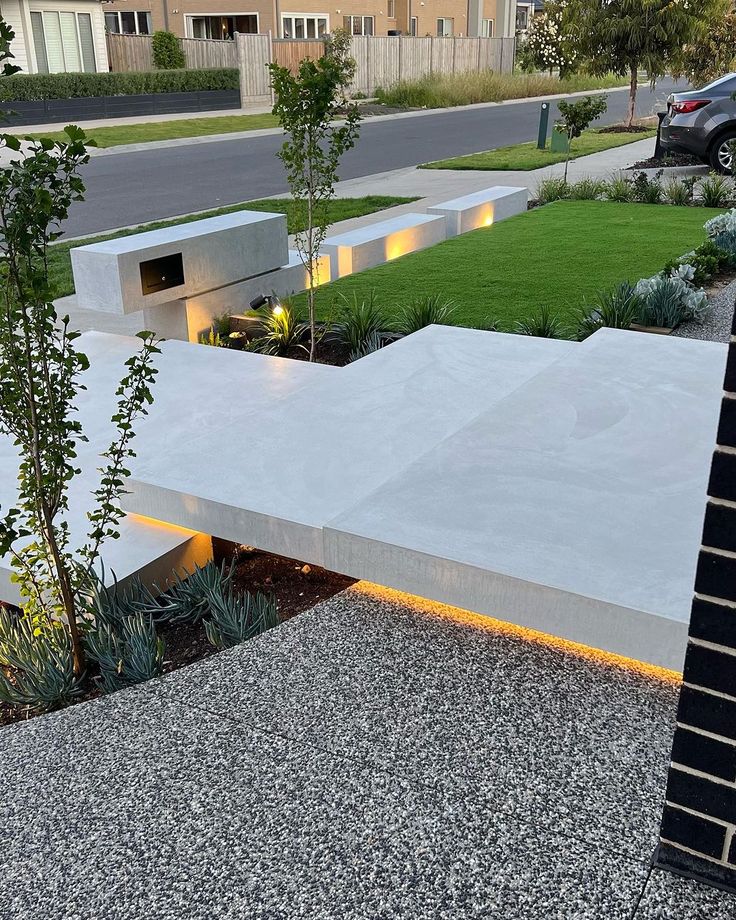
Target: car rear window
723	84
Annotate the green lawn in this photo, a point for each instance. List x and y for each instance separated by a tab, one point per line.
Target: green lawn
555	256
527	156
167	130
60	266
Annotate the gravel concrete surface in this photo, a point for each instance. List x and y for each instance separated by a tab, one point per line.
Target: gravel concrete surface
378	756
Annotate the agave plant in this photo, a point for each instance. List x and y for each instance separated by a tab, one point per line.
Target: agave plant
425	311
41	666
127	652
234	619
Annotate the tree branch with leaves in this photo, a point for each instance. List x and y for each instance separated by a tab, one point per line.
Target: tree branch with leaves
308	104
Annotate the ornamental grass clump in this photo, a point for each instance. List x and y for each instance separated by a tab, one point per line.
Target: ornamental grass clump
617	308
715	191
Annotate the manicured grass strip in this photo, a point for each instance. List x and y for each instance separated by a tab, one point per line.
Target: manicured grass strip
556	256
115	135
527	156
60	266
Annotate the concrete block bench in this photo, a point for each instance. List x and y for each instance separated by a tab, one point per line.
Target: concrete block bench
481	209
134	273
380	242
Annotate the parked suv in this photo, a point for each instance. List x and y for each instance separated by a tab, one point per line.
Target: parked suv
702	122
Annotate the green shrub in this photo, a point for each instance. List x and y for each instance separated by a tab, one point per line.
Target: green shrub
553	189
619	188
41	667
425	311
545	325
715	191
361	322
679	191
646	190
38	86
586	189
167	51
282	332
615	309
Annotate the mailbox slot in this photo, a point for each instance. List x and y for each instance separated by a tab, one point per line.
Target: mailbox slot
161	274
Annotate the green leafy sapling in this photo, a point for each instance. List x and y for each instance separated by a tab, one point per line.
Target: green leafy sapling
307	106
577	116
41	376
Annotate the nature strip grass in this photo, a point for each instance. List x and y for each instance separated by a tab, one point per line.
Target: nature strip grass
114	135
527	156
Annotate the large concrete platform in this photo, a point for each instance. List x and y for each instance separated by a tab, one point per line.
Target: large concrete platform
557	485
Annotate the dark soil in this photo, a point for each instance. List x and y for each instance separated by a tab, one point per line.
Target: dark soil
297	587
625	129
672	159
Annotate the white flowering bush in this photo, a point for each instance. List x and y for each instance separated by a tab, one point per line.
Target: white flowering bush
545	45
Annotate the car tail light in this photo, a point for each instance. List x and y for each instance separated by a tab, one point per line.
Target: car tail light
688	106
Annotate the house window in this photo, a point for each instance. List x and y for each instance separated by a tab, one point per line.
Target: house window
129	22
63	42
522	18
414	25
391	9
444	26
222	27
358	25
486	28
295	25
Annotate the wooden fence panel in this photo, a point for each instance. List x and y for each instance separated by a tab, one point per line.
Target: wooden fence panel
254	54
466	54
289	52
203	54
383	61
443	55
129	52
416	57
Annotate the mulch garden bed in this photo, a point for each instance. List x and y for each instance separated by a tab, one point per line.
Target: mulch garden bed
672	159
296	586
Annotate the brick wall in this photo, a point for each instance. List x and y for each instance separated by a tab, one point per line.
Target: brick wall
698	833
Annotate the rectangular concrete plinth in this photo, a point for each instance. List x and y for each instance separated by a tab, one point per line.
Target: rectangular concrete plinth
481	209
381	242
215	252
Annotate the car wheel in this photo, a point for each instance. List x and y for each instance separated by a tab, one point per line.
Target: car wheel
721	153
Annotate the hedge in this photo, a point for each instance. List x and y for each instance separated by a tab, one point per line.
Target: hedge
39	86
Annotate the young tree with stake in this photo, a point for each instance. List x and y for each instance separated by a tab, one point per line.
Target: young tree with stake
307	105
577	116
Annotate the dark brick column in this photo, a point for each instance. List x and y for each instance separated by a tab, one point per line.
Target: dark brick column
698	833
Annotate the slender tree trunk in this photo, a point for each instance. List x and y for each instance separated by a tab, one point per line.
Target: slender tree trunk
632	95
67	595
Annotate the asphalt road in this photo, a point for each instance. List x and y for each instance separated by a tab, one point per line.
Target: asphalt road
132	188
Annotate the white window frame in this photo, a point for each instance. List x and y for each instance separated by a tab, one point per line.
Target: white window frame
188	17
529	13
391	9
443	33
487	28
137	13
305	16
77	14
362	17
414	26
